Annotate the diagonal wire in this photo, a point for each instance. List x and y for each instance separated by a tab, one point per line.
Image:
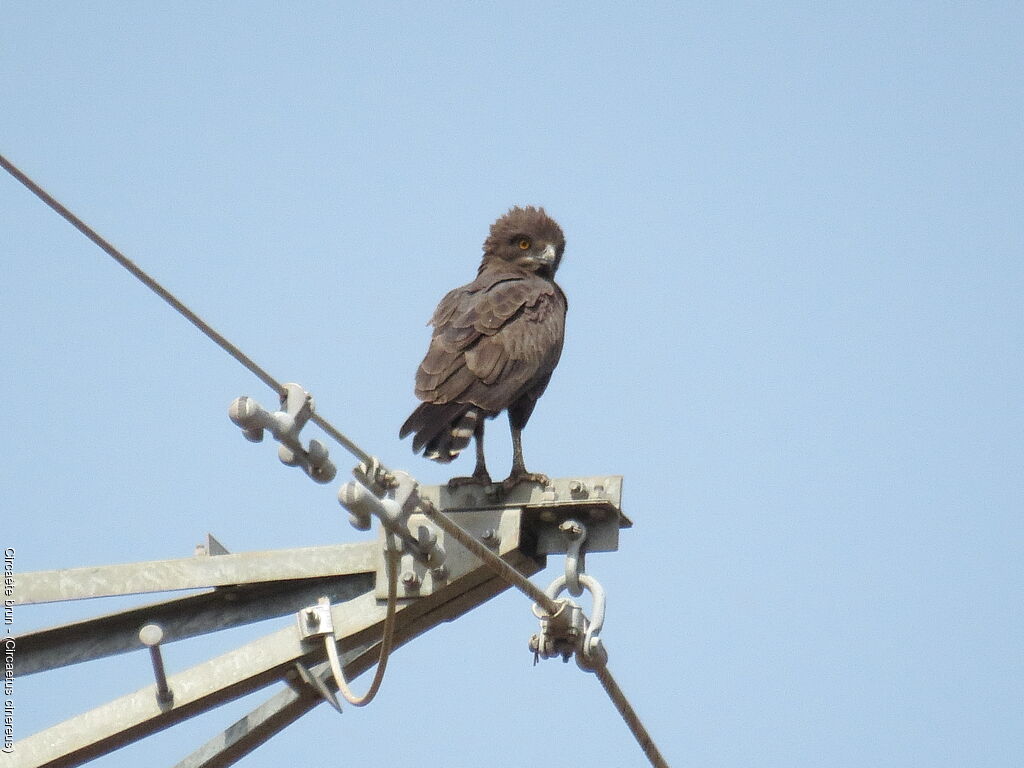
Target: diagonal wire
148	281
171	299
531	590
630	717
488	558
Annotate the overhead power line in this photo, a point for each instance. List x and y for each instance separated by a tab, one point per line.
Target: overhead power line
531	590
446	523
173	300
148	281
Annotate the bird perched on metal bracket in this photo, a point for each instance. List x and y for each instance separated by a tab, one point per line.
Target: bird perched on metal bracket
495	345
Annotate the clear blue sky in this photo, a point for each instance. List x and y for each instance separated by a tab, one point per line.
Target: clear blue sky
795	268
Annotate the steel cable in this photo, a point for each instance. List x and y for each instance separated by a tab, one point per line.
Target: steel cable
176	303
630	717
531	590
446	523
487	557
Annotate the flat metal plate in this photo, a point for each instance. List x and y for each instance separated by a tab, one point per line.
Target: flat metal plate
594	501
503	524
603	490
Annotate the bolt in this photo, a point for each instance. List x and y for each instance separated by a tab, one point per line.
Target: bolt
490	538
426	538
576	487
151	636
572	529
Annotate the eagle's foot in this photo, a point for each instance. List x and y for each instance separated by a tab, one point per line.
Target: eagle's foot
481	479
516	478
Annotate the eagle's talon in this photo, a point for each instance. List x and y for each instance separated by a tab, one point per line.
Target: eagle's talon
516	478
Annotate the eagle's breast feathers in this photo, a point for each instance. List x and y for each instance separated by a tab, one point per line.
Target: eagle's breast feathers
495	340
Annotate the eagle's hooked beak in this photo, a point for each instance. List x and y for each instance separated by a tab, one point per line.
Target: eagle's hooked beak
548	254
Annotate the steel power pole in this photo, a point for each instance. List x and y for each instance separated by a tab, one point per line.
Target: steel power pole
341	587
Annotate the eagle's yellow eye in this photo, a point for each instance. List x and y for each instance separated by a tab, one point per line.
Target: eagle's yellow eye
524	244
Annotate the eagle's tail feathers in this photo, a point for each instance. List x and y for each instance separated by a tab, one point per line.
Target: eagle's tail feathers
441	431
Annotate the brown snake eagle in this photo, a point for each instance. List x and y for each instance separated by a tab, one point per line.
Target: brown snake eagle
496	342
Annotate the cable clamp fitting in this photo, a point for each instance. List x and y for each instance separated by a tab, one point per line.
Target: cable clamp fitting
567	631
392	499
285	425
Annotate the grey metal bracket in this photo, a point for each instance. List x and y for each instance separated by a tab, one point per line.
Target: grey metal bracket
438	582
501	529
285	426
594	501
316	622
312	679
553	519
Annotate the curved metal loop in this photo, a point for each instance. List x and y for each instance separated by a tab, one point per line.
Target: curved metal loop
392	556
590	652
596	590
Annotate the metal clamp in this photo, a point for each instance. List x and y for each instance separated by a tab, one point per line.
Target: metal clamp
374	475
316	622
285	426
568	631
392	504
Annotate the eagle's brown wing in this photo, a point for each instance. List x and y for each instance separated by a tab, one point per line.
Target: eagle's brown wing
495	340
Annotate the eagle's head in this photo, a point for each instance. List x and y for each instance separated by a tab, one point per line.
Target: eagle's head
528	238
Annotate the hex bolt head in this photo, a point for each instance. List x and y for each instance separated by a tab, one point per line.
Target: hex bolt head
491	538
